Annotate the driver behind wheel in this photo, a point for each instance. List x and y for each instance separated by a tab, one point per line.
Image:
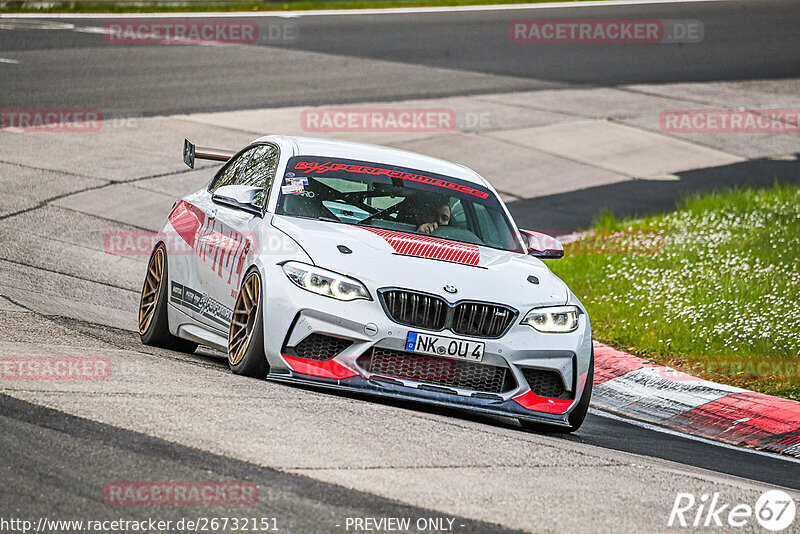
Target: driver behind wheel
427	211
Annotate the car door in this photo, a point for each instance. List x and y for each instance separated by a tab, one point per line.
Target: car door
187	220
230	233
193	220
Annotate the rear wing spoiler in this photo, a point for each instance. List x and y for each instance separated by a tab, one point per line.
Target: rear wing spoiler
192	152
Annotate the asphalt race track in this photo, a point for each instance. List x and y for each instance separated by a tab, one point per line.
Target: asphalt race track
398	56
319	458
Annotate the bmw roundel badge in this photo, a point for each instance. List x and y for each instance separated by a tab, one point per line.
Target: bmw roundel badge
450	289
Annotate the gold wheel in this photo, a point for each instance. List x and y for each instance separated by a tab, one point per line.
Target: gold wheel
245	315
151	290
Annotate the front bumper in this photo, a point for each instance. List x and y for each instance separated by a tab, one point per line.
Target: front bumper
292	314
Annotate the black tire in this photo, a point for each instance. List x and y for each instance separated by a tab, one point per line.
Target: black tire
155	331
248	321
576	416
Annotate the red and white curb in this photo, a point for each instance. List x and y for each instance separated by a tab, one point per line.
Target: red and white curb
643	390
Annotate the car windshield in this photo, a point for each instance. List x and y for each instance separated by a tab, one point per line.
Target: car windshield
394	198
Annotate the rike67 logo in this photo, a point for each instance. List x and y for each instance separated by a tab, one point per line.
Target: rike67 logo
774	510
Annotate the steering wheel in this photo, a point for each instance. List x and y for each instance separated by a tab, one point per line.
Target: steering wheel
457	234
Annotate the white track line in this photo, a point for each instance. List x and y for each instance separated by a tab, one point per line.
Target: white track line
12	61
348	12
663	430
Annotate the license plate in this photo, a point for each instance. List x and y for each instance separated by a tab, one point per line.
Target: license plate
444	346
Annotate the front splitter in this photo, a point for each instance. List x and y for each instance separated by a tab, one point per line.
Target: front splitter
396	391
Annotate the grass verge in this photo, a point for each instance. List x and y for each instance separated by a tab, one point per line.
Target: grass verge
712	289
10	6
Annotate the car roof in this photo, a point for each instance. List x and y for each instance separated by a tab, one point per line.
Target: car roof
314	146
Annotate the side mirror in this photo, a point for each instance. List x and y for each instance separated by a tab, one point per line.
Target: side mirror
239	197
541	245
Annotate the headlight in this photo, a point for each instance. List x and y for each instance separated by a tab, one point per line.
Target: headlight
555	319
325	282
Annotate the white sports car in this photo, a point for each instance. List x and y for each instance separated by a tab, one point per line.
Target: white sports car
374	270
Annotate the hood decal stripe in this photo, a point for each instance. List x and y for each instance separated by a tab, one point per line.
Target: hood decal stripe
423	246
